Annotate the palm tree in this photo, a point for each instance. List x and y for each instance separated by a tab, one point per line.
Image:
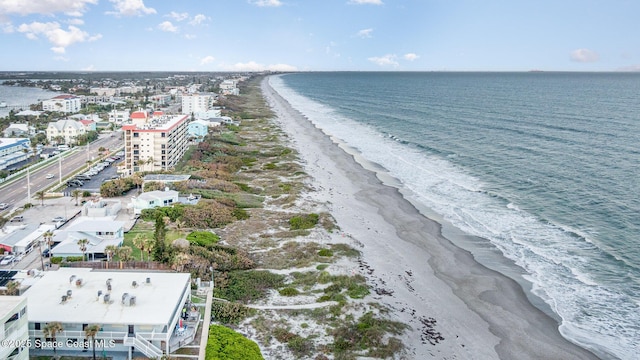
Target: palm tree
110	250
12	288
91	331
76	194
48	238
82	243
138	180
149	244
124	253
139	242
50	330
40	194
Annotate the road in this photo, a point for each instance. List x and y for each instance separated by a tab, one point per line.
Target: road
16	193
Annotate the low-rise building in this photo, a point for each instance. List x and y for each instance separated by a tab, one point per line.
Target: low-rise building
13	151
14	330
62	103
138	313
153	199
65	130
19	130
198	129
99	232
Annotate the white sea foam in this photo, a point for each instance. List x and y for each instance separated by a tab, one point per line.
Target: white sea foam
556	261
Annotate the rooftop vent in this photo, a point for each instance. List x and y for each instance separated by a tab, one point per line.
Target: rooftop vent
148	280
107	298
69	292
109	281
79	282
99	293
64	299
134	284
124	296
108	286
71	278
132	300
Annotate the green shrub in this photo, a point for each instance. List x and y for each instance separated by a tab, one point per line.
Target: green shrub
56	260
357	291
240	214
289	291
226	344
325	253
322	267
248	285
269	166
75	258
229	312
303	222
203	238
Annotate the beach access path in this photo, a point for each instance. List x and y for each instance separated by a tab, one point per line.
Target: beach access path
428	283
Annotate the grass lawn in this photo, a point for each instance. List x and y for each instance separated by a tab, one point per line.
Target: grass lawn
171	235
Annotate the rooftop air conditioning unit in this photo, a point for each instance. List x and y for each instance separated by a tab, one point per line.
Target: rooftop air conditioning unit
148	280
79	282
132	300
64	299
134	284
125	297
69	292
99	293
107	298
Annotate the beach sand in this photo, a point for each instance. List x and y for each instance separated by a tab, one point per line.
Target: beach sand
457	308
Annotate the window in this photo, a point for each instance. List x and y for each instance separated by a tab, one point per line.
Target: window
164	135
135	134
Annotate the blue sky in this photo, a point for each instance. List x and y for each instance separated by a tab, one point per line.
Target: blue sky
319	35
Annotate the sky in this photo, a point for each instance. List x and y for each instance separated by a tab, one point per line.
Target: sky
319	35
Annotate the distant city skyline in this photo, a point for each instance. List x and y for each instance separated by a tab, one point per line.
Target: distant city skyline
328	35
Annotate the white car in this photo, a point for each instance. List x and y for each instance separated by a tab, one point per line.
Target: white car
7	260
49	176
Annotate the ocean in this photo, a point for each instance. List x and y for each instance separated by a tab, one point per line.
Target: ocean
537	174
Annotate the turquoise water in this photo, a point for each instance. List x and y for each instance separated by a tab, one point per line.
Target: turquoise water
541	166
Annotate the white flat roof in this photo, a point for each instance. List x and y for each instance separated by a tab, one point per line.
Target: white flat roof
8	305
155	302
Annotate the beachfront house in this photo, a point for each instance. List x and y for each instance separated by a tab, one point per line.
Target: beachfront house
153	199
99	232
139	314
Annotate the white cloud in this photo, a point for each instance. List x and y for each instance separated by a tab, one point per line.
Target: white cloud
8	28
167	26
198	19
254	66
190	36
365	33
89	68
266	3
45	7
387	60
178	16
362	2
207	60
411	56
584	56
75	21
130	8
60	38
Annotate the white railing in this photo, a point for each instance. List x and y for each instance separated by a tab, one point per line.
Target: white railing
77	334
142	345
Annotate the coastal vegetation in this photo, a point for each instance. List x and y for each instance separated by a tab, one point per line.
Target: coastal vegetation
249	233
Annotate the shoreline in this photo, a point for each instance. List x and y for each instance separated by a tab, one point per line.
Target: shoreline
478	312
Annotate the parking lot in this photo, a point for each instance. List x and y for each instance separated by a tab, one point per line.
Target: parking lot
93	178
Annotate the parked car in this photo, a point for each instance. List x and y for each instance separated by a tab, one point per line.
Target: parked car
74	182
7	260
17	218
46	253
4	206
49	176
83	177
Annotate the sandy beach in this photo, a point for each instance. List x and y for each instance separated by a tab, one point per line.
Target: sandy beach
457	308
